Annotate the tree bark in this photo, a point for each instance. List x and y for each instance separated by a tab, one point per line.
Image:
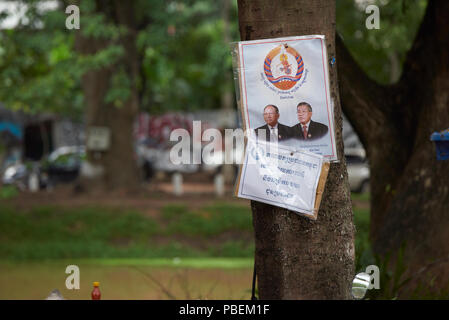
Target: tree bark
118	163
226	94
409	187
297	258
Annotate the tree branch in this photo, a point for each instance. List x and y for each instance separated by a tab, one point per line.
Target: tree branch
426	70
357	93
417	65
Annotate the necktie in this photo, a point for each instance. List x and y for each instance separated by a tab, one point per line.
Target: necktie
273	134
304	131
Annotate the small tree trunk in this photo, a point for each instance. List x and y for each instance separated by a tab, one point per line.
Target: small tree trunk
297	258
226	94
119	163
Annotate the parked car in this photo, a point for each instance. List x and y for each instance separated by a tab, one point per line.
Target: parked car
62	165
16	174
358	170
153	157
214	162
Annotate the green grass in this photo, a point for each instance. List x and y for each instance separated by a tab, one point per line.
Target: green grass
8	192
364	256
219	230
208	221
175	262
364	197
55	233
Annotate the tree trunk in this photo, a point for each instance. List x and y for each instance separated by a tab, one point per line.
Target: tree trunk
118	164
227	94
409	187
297	258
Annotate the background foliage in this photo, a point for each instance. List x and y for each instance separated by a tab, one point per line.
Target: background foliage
380	52
181	45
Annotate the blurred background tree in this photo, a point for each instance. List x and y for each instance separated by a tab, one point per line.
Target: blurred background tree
380	52
177	59
39	69
184	57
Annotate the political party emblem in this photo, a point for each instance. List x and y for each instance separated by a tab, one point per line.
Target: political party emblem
256	151
283	67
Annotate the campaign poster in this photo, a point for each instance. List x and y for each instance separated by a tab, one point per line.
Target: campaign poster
284	93
280	177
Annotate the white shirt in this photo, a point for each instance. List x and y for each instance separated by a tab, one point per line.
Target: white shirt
273	131
305	125
271	128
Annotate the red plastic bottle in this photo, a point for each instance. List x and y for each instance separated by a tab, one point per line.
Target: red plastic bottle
96	294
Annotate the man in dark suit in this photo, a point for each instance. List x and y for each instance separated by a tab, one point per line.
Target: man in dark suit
307	129
273	130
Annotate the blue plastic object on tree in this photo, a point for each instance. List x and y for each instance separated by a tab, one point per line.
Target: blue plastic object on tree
441	143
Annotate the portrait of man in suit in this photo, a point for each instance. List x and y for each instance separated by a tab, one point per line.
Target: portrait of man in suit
272	130
307	129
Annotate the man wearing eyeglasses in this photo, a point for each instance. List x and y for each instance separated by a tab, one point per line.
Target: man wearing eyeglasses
272	130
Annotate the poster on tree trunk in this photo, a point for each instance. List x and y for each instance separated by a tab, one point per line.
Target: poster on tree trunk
284	85
283	95
275	175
